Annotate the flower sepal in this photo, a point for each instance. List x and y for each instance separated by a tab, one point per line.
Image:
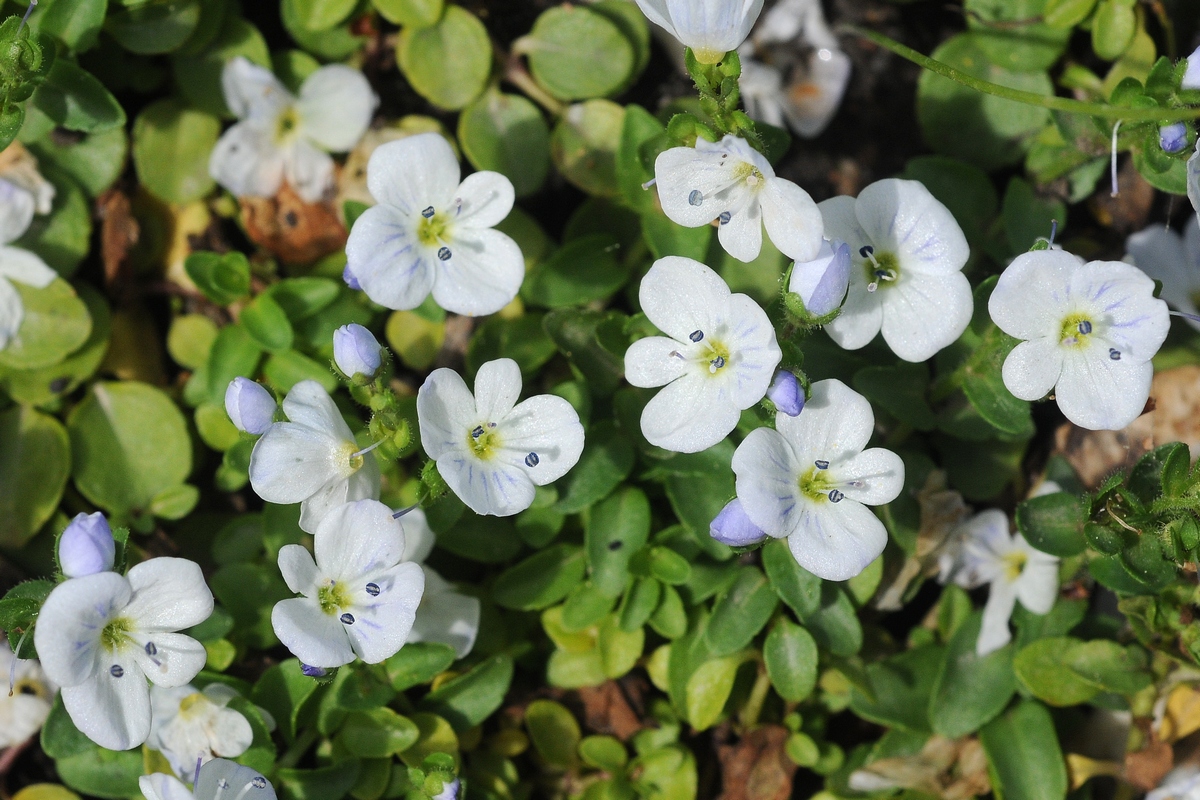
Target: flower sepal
801	317
433	486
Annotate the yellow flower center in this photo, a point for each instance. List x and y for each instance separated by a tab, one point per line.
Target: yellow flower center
483	441
1014	564
815	484
882	269
32	688
433	231
192	703
286	125
718	357
332	598
1075	331
115	634
749	173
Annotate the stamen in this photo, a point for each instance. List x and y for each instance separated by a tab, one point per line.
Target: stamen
822	464
491	424
28	11
866	250
196	774
12	665
475	434
222	785
373	589
444	254
532	460
428	212
678	355
151	649
1114	354
1113	165
724	217
835	496
716	364
366	450
1053	231
696	336
245	790
347	618
1085	327
695	198
649	183
116	670
259	782
403	511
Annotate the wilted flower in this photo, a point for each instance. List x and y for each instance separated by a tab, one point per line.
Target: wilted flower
710	27
431	233
491	450
86	546
811	481
717	358
281	136
101	636
250	407
355	350
1089	333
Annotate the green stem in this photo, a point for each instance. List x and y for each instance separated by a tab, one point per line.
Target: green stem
298	748
1070	106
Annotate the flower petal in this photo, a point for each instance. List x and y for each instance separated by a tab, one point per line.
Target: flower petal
792	219
904	218
113	712
248	783
67	636
754	351
497	387
1037	586
492	487
841	222
994	633
12	313
1031	298
923	314
1134	321
649	362
309	404
741	236
392	267
298	569
836	541
1098	393
414	173
251	90
335	106
881	473
358	539
681	296
713	28
231	734
25	267
419	538
445	413
291	463
691	414
685	175
308	170
247	162
767	472
169	594
835	425
446	616
862	313
1159	252
175	661
160	786
1032	368
382	623
16	211
547	426
483	200
314	637
482	275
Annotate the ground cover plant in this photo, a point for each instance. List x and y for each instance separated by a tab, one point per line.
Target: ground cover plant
619	400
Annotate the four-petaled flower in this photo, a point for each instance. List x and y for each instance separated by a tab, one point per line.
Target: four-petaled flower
312	459
26	706
431	233
717	358
731	182
190	726
19	266
445	615
811	481
491	450
906	279
1089	333
101	636
219	779
1166	256
710	27
280	136
359	599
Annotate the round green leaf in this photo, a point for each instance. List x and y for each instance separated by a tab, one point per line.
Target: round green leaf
448	63
128	443
410	13
62	237
540	580
153	26
267	323
76	24
171	146
576	53
790	655
584	146
708	689
554	732
579	272
1025	760
970	689
331	45
320	15
1113	28
95	160
199	76
35	460
506	133
56	323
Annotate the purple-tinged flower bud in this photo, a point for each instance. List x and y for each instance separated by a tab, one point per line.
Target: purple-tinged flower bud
786	393
822	282
249	406
86	546
355	350
1191	76
313	672
1172	138
734	528
349	278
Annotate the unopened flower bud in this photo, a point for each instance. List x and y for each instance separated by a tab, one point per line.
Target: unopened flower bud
313	672
822	282
734	528
1172	138
786	393
449	790
86	546
355	350
250	407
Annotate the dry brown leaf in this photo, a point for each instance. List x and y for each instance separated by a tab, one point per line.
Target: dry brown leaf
119	232
1146	768
953	769
1129	210
607	710
942	511
756	767
1181	716
295	231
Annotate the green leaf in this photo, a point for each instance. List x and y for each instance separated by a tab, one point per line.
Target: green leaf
75	100
741	612
171	146
902	686
63	237
448	63
319	784
616	528
128	443
175	502
576	53
488	540
76	24
19	610
554	732
1040	669
665	238
223	278
620	649
283	690
506	133
95	160
1027	216
899	390
288	367
56	324
1113	27
835	623
150	28
1065	14
795	585
471	698
190	339
1108	665
584	143
523	339
198	75
60	738
334	44
410	13
102	773
319	15
378	733
1053	523
790	655
970	689
233	354
266	322
606	461
603	752
581	271
1024	758
540	580
642	137
575	333
418	663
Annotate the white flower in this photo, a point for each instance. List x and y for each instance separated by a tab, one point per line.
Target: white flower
312	459
731	182
359	599
218	779
1166	256
1089	330
1015	570
710	27
23	192
445	615
811	481
1193	180
1191	74
431	233
25	708
906	279
281	136
717	359
24	267
189	726
491	450
101	636
1181	783
822	282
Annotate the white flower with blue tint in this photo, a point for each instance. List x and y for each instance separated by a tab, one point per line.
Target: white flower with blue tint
445	615
250	407
822	282
101	636
356	351
987	553
732	183
491	450
717	359
1172	138
283	137
1191	75
1181	783
189	726
359	599
219	779
732	527
430	233
1088	330
25	708
86	546
906	277
312	459
710	27
18	266
1166	256
23	192
811	480
786	393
